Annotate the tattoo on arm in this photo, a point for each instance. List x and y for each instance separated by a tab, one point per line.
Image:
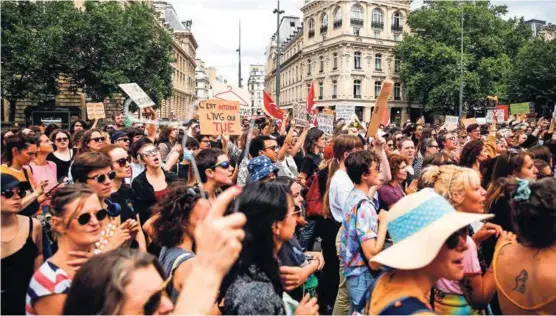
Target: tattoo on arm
521	282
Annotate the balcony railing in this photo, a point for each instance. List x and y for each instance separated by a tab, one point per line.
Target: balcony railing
397	28
334	96
356	22
311	33
337	24
377	25
357	96
320	97
397	97
324	29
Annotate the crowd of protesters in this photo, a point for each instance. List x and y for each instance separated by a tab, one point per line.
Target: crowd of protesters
283	219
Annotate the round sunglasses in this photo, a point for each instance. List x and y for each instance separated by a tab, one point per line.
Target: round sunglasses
84	219
123	161
8	194
102	177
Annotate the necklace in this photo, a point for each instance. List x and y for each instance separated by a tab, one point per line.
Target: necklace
16	233
105	234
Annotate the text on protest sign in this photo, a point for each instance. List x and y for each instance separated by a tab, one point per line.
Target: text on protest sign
499	116
481	120
451	122
326	123
95	111
300	114
219	117
137	94
519	108
344	111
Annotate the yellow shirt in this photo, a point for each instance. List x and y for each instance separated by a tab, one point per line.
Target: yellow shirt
18	174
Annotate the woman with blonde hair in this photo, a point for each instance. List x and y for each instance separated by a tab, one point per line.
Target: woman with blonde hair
462	188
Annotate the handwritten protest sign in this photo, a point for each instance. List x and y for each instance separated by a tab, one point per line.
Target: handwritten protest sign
481	120
344	111
499	116
300	114
469	121
381	106
519	108
326	123
451	122
137	94
219	117
95	111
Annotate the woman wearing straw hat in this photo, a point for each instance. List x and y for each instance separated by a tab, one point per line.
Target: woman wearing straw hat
429	244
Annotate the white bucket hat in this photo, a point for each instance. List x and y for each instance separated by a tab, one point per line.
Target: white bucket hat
419	224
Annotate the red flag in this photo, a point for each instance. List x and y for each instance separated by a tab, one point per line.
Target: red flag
270	108
311	109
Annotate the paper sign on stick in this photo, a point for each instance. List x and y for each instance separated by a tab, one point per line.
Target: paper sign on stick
469	121
451	123
519	108
381	106
219	117
499	116
95	111
481	120
137	94
300	114
344	111
326	123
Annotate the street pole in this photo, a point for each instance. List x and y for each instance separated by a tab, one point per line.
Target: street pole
239	55
278	12
461	69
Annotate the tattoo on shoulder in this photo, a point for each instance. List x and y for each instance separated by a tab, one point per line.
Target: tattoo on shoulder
521	282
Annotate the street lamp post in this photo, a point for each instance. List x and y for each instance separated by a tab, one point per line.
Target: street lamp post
461	69
277	11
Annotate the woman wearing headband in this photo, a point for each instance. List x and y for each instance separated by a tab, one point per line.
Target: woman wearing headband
524	271
76	216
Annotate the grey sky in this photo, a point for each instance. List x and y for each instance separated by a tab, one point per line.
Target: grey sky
215	27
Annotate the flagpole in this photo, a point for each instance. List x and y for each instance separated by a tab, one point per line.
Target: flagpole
277	11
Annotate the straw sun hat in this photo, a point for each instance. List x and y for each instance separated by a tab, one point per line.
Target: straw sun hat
419	224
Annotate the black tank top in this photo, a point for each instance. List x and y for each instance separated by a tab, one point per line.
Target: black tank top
17	270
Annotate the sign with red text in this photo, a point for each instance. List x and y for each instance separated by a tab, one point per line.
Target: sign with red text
218	117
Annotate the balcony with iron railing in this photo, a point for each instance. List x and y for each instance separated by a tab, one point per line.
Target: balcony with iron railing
397	28
311	33
324	29
377	25
356	21
334	96
337	24
320	97
357	96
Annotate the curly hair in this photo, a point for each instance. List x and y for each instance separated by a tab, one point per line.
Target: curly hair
174	212
471	152
395	161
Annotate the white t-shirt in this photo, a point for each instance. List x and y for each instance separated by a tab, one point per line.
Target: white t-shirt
340	187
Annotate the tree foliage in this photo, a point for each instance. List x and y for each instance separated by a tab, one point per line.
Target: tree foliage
430	56
96	48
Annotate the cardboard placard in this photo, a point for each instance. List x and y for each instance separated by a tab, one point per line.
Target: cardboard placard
469	121
95	111
481	120
519	108
451	123
381	106
218	117
326	123
344	111
300	114
137	94
499	116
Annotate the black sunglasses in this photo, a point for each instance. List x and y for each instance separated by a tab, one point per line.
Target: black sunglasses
223	164
123	161
453	241
102	177
62	139
123	140
98	139
84	219
152	304
8	194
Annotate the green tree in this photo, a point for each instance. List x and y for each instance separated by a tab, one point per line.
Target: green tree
430	56
533	76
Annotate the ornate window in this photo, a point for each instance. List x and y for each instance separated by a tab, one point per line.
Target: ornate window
397	91
321	62
309	67
378	86
357	60
357	89
397	23
334	61
337	18
378	19
321	90
334	89
324	24
356	15
311	28
378	62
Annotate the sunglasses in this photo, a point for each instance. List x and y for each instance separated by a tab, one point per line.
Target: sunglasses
102	177
123	140
223	165
8	194
273	148
453	241
123	161
98	139
152	152
62	139
153	302
84	219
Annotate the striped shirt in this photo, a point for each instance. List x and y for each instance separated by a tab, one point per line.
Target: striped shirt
49	279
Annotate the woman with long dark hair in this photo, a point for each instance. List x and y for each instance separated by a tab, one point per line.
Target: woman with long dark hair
92	140
63	153
473	155
314	146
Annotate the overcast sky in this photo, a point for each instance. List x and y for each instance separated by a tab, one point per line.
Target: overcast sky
215	27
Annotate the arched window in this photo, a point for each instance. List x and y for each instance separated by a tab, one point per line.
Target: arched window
397	23
337	18
357	89
324	23
357	60
378	21
311	28
356	15
378	62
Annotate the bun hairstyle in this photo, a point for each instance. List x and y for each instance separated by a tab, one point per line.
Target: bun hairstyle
448	179
533	210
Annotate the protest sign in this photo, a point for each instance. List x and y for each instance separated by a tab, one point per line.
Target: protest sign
344	111
95	111
326	123
481	120
499	116
451	122
219	117
519	108
300	114
469	121
381	106
137	94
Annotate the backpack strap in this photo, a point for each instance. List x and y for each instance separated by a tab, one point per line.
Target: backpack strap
361	252
409	306
179	260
